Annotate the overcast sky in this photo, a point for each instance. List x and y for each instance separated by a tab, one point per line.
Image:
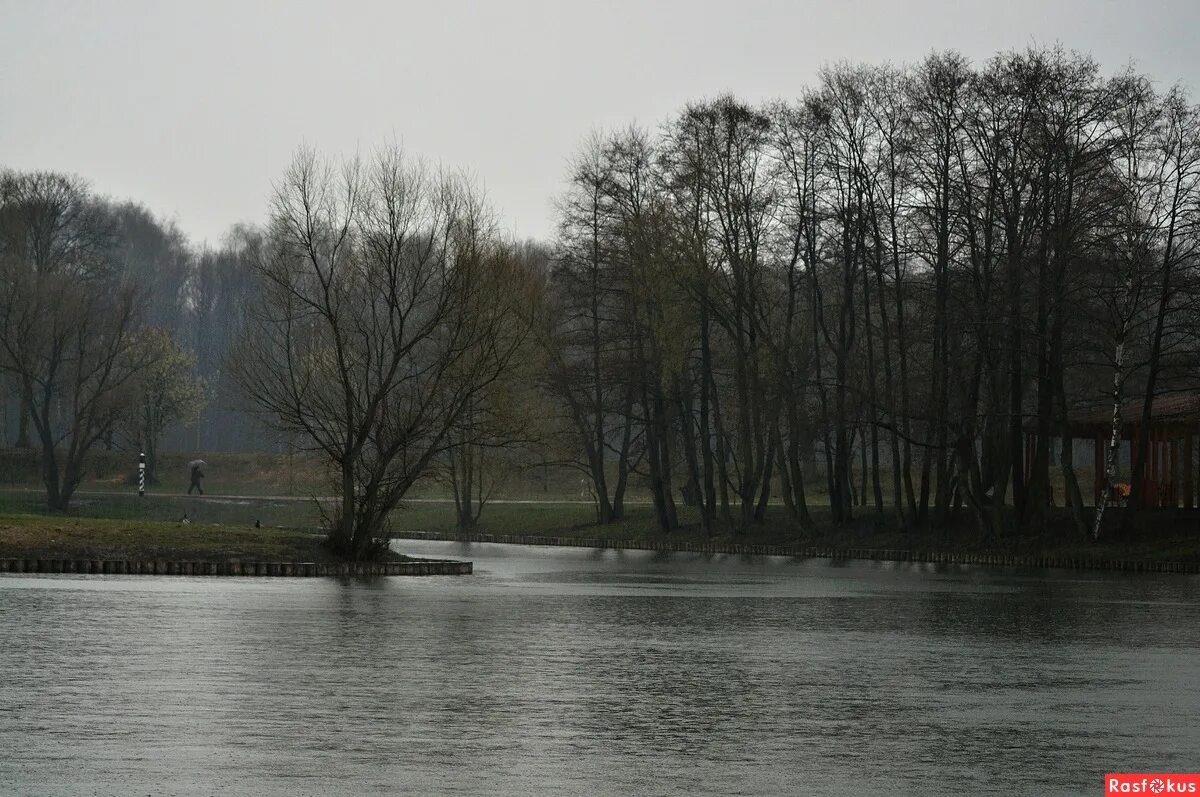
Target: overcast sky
194	108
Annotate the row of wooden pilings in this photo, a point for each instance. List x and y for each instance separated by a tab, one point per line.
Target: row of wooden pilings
820	552
160	567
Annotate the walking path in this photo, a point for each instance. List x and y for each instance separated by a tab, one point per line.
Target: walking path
323	498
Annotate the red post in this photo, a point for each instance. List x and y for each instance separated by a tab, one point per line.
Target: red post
1164	462
1172	470
1155	475
1152	456
1188	485
1133	455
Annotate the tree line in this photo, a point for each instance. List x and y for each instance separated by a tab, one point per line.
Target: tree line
914	267
877	291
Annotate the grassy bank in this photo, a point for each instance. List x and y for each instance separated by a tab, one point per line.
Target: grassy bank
300	475
1160	536
224	524
45	537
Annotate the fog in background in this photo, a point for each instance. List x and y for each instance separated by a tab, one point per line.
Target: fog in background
195	108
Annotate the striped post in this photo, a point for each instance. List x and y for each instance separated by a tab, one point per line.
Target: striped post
142	475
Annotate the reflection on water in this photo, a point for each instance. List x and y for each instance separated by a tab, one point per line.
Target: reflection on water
567	671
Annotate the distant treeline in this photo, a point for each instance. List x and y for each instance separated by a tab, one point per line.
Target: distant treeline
193	294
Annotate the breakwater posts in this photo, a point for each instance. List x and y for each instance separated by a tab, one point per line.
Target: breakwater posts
161	567
819	552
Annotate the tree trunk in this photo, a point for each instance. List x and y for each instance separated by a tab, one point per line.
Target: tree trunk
342	535
618	501
708	501
1114	440
23	423
696	495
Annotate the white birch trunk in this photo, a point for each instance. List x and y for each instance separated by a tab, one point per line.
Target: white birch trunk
1114	441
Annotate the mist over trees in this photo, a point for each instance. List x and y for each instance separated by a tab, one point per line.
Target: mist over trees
886	294
68	322
113	330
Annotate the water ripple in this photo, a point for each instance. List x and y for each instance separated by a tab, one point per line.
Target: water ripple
556	671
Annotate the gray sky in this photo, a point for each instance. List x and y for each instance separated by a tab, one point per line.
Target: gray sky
194	108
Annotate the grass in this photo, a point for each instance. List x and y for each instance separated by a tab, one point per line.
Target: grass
225	473
261	474
1161	536
256	488
46	537
301	475
239	512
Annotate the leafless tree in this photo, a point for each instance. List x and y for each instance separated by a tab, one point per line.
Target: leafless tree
587	335
385	311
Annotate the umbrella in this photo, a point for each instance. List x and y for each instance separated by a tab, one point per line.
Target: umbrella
197	463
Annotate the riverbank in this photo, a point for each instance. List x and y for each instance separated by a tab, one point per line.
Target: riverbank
48	544
173	567
834	553
109	524
1164	541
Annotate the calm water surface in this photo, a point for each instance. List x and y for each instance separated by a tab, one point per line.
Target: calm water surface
568	671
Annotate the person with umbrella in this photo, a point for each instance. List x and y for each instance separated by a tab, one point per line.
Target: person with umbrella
197	475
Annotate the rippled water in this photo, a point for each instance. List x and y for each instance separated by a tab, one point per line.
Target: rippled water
567	671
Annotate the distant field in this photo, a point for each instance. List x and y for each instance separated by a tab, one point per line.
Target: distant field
300	513
273	474
249	474
300	475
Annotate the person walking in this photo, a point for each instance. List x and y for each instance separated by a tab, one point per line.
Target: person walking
197	475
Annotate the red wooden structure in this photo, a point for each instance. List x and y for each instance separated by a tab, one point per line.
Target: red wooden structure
1170	478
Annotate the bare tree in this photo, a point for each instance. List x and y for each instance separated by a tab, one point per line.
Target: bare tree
732	169
385	311
505	423
587	337
1168	214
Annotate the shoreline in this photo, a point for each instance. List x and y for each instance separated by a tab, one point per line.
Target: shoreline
72	544
209	567
96	546
833	553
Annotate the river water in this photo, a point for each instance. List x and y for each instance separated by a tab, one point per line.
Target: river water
556	671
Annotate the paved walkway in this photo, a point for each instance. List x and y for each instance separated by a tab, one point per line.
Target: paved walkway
323	498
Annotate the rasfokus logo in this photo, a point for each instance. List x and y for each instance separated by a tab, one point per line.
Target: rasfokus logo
1151	783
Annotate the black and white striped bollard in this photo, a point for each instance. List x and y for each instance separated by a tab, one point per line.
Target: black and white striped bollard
142	475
